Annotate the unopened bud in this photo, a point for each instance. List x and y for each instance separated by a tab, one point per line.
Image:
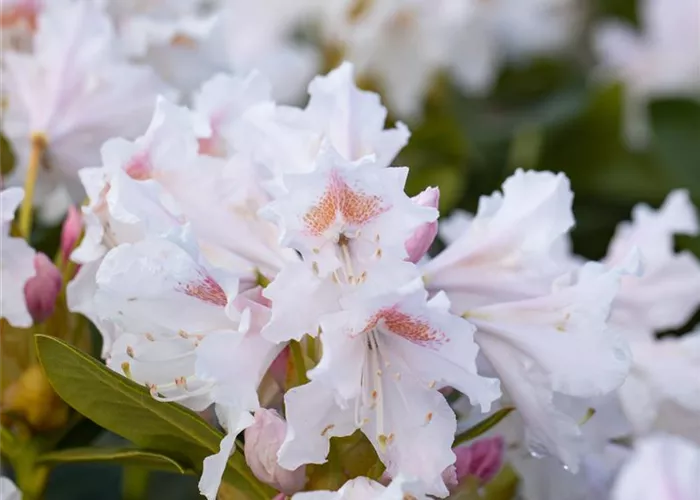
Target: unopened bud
262	442
70	233
32	397
419	242
480	459
41	291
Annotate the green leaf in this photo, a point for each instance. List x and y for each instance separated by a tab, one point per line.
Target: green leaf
676	125
503	487
127	409
8	443
483	426
121	456
7	156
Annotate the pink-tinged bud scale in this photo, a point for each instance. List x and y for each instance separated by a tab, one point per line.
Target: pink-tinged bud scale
41	290
419	242
70	232
262	442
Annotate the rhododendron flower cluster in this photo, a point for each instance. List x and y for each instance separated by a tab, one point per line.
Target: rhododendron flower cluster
261	262
206	255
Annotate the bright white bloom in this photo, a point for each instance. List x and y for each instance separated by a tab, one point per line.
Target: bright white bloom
233	366
661	60
288	140
350	222
344	215
362	488
544	347
668	293
383	362
16	263
499	30
75	91
121	210
165	293
663	389
211	193
509	250
238	37
662	468
8	490
196	342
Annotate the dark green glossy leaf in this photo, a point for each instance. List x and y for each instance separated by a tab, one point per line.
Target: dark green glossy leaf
121	456
127	409
483	426
676	125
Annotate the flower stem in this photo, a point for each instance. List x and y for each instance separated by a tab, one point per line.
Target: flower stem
299	363
38	148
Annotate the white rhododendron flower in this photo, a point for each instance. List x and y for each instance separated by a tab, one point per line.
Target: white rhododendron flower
16	263
668	292
661	59
540	333
663	389
345	215
508	250
384	360
662	468
75	91
542	347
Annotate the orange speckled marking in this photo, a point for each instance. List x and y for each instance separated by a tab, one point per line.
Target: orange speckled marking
409	327
355	207
207	290
23	13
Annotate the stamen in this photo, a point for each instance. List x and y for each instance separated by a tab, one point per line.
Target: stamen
378	386
343	243
126	368
178	384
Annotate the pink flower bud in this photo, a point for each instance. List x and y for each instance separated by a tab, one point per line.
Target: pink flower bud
41	291
419	242
481	459
262	442
70	233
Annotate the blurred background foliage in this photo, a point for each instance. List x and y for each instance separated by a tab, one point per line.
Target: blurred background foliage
543	114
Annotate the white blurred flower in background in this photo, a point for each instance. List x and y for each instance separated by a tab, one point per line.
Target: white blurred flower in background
661	59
